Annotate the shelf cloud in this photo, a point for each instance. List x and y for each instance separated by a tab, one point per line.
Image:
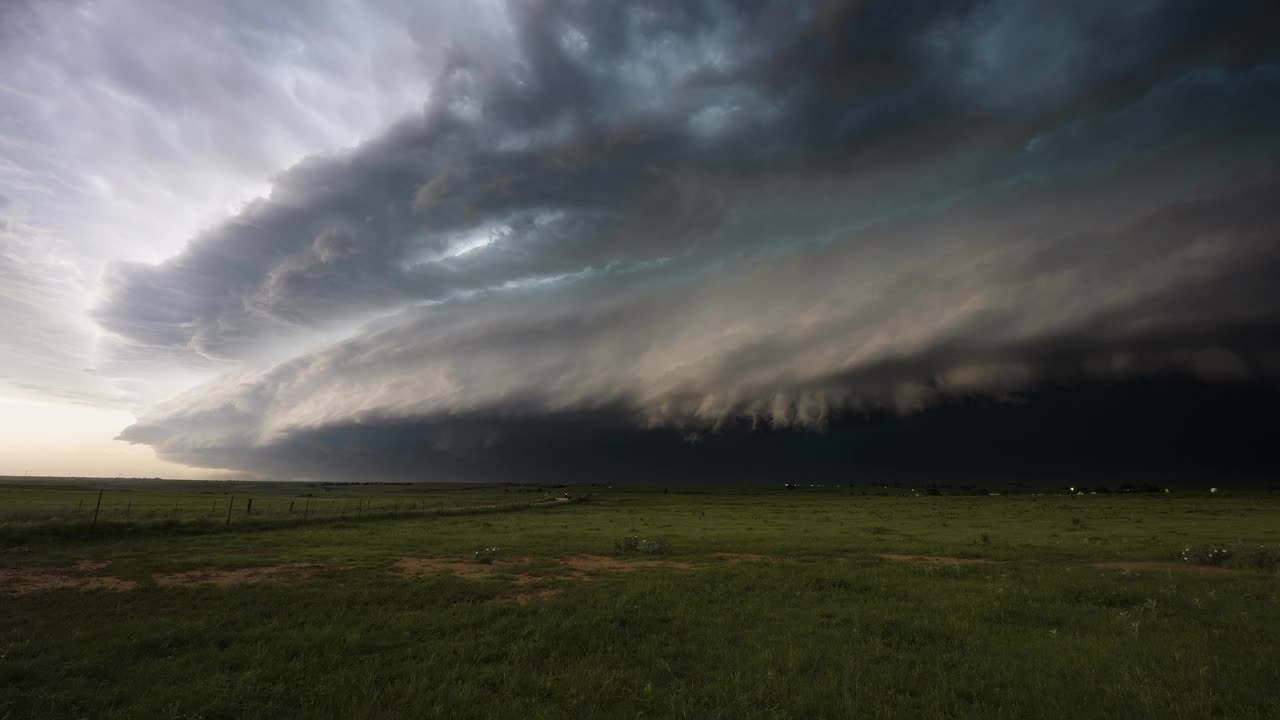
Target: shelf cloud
690	223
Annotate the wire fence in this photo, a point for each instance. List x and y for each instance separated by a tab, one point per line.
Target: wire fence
94	507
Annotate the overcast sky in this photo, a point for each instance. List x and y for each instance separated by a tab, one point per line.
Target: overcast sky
404	239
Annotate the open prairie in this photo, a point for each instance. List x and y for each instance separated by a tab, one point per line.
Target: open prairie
462	601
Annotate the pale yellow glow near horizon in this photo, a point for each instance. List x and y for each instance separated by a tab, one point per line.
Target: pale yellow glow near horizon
63	439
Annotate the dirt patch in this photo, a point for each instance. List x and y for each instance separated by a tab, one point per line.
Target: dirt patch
744	557
577	565
899	557
412	567
580	568
88	566
1157	565
524	598
16	581
225	578
604	564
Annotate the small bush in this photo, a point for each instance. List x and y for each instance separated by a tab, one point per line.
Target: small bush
1206	554
486	556
656	545
1262	557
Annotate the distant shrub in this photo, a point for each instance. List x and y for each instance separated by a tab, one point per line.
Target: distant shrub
1259	557
1262	557
657	545
1206	554
986	539
487	555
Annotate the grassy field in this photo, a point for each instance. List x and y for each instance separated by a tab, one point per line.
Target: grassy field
768	604
69	504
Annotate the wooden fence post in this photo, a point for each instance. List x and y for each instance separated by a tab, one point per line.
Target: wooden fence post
306	512
248	509
229	506
97	508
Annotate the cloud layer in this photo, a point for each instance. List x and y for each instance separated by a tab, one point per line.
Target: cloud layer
691	219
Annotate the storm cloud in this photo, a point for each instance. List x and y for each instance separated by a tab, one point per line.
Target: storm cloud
688	223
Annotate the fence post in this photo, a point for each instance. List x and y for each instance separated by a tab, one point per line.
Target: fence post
229	506
248	509
97	508
306	512
291	502
128	509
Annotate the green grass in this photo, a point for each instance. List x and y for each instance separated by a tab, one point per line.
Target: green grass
826	630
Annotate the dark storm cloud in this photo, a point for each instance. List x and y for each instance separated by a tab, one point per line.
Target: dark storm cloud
604	130
700	215
466	378
1139	436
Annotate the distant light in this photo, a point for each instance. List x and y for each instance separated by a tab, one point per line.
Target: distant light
1072	489
1213	490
